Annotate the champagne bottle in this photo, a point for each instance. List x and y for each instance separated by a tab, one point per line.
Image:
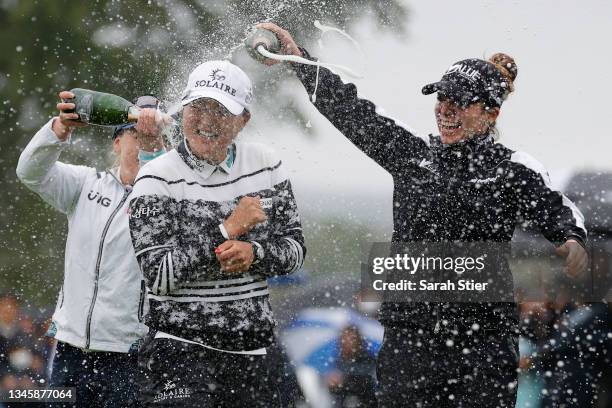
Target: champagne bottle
104	109
264	37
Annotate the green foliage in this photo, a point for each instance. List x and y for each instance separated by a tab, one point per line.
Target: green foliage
127	48
335	244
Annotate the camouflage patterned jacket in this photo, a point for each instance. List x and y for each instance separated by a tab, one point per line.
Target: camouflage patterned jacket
176	208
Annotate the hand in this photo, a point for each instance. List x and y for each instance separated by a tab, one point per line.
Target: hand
334	380
524	363
288	45
63	124
149	128
245	216
576	258
235	256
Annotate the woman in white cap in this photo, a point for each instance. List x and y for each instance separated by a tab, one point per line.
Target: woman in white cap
98	320
210	221
459	186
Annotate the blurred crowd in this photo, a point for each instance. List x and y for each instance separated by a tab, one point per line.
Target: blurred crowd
565	348
566	355
565	360
24	349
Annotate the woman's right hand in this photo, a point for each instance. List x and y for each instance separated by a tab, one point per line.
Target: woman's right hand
288	45
63	124
245	216
149	128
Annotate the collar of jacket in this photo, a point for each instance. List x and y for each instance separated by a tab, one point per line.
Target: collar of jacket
115	172
462	149
452	159
203	167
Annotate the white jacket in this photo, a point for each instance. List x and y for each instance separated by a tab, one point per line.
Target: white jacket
102	301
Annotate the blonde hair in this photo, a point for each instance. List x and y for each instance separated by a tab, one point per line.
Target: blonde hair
506	65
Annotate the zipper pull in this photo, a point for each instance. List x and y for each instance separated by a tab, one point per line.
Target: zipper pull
437	326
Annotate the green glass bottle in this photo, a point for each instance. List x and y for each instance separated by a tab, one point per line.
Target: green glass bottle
104	109
263	37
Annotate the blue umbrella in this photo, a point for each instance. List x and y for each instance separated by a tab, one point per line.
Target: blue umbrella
313	338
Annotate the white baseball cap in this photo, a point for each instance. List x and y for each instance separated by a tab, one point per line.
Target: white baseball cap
221	81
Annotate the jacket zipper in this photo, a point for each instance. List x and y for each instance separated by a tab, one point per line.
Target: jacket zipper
62	297
448	188
98	260
142	300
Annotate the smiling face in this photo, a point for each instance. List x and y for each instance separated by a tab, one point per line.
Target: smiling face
457	123
209	128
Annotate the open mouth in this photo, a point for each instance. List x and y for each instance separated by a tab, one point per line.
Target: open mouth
446	124
208	135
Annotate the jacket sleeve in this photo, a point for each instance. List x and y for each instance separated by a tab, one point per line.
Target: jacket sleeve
59	184
284	250
387	141
550	211
159	227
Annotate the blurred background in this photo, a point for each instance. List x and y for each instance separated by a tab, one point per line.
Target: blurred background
558	114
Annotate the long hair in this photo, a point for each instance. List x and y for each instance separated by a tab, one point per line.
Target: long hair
509	70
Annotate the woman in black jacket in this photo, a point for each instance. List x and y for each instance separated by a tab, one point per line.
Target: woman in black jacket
459	186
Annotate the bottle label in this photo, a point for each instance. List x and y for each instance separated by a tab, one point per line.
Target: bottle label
84	108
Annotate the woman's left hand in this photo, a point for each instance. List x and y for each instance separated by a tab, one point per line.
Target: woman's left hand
576	258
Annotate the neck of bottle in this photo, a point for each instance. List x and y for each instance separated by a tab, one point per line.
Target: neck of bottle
133	113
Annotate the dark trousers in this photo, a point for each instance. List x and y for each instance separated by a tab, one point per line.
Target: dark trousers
451	368
102	379
178	374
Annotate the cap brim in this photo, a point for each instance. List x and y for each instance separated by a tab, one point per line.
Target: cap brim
444	86
121	128
430	88
231	105
451	91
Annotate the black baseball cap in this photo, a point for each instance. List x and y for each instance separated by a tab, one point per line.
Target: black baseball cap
145	101
469	81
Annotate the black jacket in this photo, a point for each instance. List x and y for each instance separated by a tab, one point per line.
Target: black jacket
476	190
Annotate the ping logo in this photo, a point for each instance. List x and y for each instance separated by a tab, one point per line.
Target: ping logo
98	198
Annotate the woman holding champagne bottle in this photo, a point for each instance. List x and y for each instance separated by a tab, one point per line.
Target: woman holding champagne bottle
98	318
